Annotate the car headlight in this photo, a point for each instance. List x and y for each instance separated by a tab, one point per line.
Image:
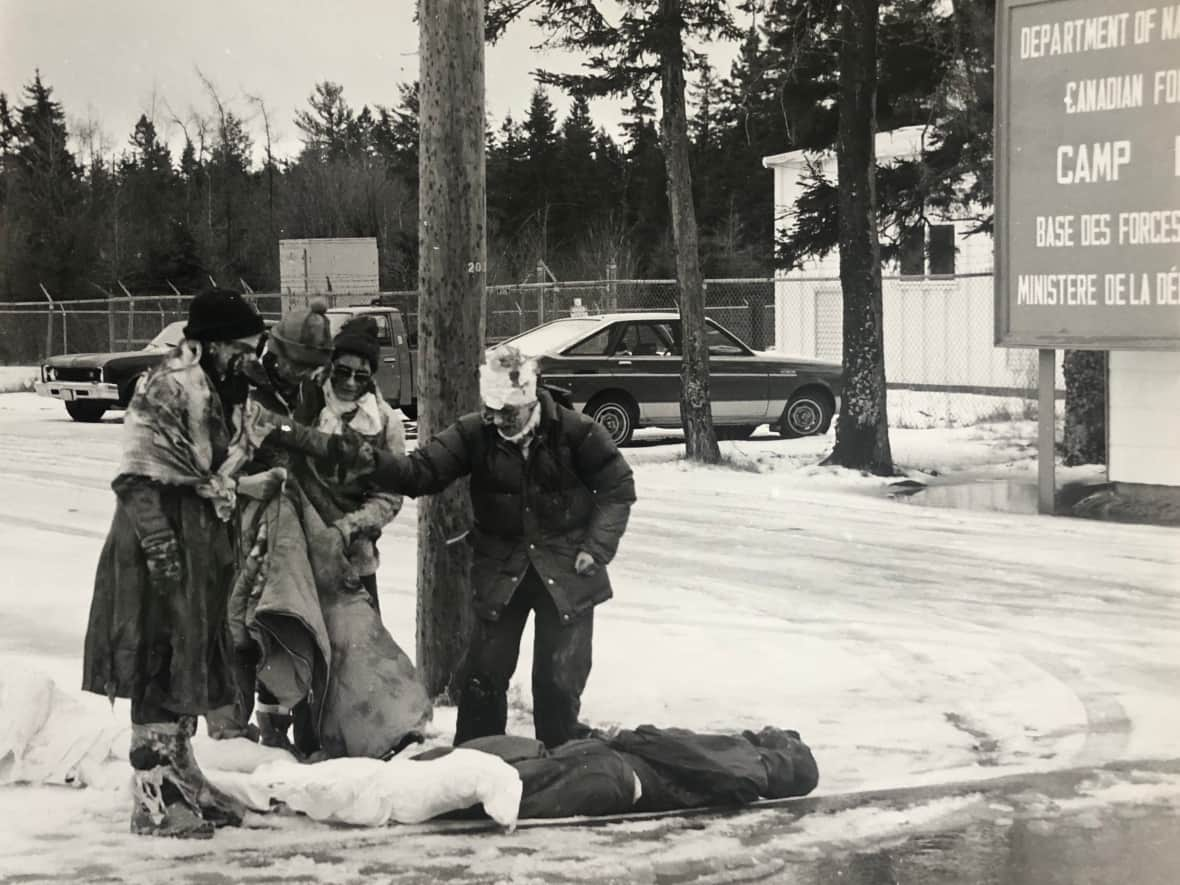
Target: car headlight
50	373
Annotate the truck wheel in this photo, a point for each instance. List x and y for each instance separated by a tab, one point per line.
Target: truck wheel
808	412
617	415
410	410
87	412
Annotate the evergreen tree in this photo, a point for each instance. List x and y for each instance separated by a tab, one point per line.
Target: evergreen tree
50	243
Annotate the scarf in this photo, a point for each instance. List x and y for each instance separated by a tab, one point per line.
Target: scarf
362	415
175	432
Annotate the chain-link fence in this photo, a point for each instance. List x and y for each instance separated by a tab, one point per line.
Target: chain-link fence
940	362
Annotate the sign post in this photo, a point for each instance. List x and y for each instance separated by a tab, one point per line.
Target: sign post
1087	182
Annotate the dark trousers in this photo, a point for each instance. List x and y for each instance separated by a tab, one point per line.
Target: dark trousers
561	666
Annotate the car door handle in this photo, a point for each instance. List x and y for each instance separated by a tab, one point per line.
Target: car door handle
623	363
390	359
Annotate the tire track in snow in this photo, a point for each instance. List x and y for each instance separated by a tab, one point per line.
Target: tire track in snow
55	528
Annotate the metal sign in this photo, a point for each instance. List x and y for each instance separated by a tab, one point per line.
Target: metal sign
1088	174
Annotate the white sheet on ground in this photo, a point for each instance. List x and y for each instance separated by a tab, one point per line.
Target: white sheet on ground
49	736
371	793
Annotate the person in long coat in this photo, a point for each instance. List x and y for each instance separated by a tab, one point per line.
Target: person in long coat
157	632
551	496
352	403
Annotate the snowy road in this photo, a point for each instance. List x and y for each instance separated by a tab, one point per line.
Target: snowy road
908	645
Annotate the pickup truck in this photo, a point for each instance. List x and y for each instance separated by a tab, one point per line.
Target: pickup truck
395	372
91	384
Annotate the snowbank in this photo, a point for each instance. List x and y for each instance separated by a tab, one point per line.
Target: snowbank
18	379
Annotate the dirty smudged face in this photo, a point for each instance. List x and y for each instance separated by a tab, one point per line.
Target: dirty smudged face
227	357
289	371
510	421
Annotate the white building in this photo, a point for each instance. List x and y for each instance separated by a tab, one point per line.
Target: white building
940	330
938	300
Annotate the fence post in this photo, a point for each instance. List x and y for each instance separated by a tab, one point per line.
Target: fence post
48	322
110	325
612	287
130	315
541	292
754	309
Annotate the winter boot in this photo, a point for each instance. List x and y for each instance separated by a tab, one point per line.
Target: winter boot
273	727
216	806
162	807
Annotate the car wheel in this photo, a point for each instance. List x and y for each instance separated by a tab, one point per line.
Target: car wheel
738	431
88	412
617	416
807	413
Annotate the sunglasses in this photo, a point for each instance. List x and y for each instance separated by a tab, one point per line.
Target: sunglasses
343	373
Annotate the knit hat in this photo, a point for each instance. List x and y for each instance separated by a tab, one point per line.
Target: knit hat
507	378
359	336
303	336
221	315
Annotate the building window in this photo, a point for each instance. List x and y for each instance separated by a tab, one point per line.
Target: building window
913	253
928	251
941	250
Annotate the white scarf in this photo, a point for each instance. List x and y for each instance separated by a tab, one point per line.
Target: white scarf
362	415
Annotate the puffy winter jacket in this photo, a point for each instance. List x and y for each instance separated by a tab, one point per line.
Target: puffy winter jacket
573	492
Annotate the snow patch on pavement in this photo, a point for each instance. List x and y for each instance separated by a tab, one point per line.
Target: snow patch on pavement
17	379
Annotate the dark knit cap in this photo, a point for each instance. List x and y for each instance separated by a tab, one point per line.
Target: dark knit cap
303	336
221	315
359	336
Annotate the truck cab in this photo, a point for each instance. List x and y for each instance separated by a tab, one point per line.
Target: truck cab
395	370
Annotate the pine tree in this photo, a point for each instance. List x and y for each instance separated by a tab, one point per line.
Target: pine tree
51	244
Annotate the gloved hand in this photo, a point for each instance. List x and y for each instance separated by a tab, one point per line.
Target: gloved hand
164	563
585	565
346	527
348	454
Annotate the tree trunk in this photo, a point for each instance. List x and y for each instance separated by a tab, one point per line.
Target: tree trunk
452	241
862	431
696	415
1085	407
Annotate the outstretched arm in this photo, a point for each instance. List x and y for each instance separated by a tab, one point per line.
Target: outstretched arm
432	466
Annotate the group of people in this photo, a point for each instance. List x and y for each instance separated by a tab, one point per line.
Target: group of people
259	469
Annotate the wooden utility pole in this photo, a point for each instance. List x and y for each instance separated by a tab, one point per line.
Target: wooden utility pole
696	411
452	256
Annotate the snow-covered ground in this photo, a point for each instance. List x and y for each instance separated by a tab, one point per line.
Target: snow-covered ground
17	378
909	645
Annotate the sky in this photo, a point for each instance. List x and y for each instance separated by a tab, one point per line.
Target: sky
111	61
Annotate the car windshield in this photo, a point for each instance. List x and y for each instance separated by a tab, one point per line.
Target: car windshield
553	336
169	337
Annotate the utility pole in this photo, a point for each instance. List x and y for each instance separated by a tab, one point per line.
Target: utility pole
452	257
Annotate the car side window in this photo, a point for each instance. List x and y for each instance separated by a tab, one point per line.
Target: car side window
595	345
384	338
721	344
644	339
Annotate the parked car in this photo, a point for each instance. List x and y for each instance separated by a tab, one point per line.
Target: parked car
92	383
623	369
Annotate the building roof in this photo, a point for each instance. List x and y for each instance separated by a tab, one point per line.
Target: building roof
894	144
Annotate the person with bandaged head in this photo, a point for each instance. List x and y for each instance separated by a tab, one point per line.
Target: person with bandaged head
551	495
